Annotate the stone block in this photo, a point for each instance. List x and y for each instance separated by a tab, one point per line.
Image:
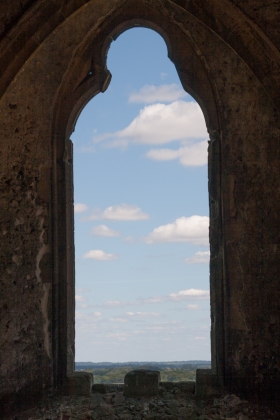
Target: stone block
187	387
107	388
141	383
206	384
79	383
100	388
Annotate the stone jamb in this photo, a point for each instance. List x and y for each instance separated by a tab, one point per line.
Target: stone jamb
69	106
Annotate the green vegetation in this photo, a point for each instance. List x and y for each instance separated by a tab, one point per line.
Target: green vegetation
106	373
176	375
116	375
109	375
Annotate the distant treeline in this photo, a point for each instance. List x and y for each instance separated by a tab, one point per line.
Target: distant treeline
186	365
106	373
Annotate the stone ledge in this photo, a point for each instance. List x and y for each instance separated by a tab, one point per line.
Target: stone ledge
79	383
141	383
107	388
206	384
187	387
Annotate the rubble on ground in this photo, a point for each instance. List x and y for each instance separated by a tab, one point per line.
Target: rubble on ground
171	404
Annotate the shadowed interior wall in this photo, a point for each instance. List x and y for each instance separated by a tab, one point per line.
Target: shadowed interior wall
53	60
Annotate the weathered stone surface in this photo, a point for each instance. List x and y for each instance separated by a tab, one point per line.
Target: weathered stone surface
227	56
141	383
206	384
187	387
100	388
104	406
79	383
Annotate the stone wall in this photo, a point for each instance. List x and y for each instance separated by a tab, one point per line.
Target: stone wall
53	59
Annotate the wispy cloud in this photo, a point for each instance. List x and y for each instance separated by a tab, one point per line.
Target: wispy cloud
164	93
135	316
200	257
80	298
143	314
99	255
122	212
193	155
193	229
91	315
159	124
87	149
83	290
190	293
80	208
114	303
183	295
166	326
130	239
118	319
193	307
103	230
119	336
87	323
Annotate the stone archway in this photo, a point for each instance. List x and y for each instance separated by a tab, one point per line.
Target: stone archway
54	60
74	94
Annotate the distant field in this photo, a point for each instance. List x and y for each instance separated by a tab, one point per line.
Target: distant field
106	373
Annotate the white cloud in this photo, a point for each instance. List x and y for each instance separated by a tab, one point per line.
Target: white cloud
193	155
103	230
80	208
112	303
170	326
143	314
129	239
87	322
129	316
97	254
183	295
118	319
193	229
200	257
123	212
199	338
119	336
90	316
190	294
160	124
83	290
87	149
156	299
193	307
80	298
164	93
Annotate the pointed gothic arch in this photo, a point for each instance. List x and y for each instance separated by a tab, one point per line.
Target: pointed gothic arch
81	83
53	61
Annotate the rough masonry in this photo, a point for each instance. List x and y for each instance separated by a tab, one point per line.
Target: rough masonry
53	61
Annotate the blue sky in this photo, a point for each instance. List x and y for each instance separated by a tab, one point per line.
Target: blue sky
141	213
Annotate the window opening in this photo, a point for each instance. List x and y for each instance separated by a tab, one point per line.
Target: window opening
141	214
